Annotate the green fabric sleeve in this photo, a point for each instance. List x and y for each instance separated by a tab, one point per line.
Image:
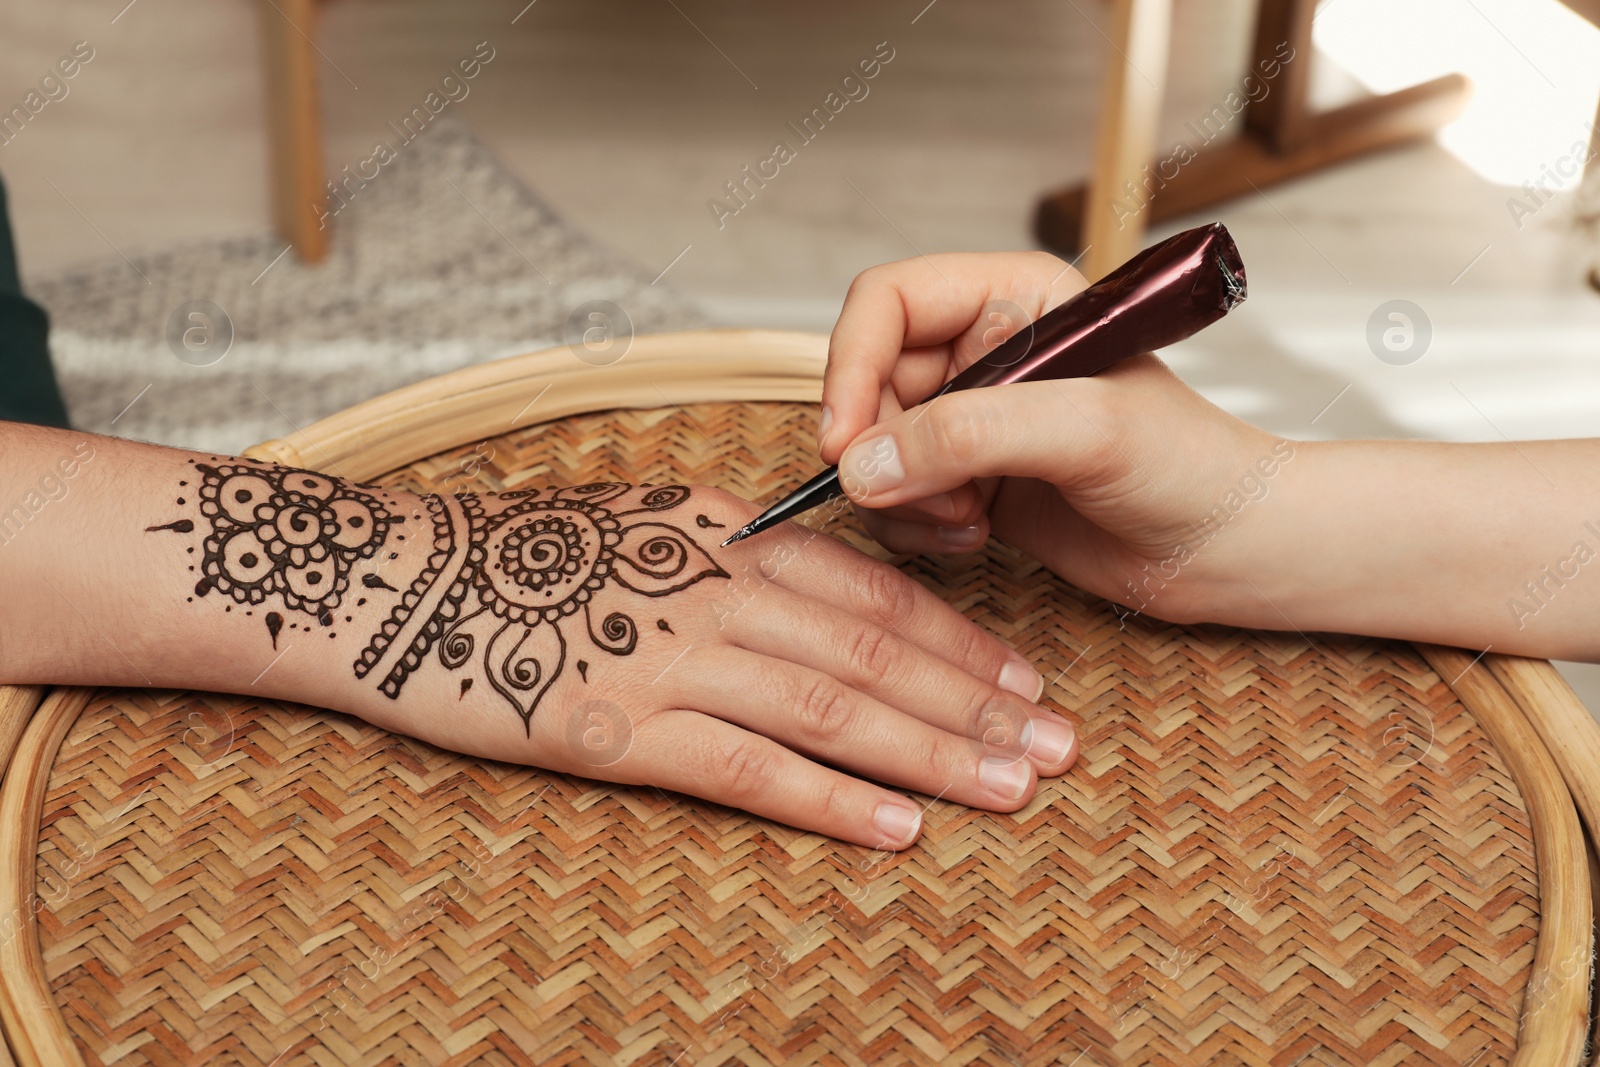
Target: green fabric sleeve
28	390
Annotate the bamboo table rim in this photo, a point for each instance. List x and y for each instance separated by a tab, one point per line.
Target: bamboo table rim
1543	732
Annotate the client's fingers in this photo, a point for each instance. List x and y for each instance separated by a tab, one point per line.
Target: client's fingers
887	668
692	753
805	561
822	717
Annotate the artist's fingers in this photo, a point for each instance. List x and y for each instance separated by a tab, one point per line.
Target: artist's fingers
917	375
953	306
920	538
957	509
1074	434
802	560
703	756
820	716
877	663
962	506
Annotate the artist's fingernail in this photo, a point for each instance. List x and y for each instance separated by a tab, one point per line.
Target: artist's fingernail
897	821
1004	776
823	427
941	507
875	465
960	538
1019	678
1048	741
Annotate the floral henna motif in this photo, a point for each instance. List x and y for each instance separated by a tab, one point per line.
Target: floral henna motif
285	533
511	588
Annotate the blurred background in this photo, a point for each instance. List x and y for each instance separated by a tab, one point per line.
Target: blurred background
582	163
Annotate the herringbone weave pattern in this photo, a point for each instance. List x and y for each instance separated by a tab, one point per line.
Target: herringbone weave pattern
1274	850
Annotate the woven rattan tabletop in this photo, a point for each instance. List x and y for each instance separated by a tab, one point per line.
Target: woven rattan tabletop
1275	849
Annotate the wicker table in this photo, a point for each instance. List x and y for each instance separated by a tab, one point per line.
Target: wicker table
1275	849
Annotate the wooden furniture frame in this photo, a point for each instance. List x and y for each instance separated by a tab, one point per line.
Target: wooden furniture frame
1282	137
294	126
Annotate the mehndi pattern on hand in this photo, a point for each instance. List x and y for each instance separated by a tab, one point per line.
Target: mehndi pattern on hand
504	585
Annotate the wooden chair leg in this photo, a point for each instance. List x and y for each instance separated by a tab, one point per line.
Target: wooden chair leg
1130	110
294	124
1281	139
1281	117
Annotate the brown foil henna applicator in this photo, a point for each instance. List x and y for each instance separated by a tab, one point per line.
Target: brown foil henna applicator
1166	293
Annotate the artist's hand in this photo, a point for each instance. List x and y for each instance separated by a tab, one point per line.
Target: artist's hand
1128	484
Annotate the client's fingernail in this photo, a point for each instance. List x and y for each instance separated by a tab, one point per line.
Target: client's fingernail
897	822
1019	678
960	538
824	426
875	465
1006	777
1048	741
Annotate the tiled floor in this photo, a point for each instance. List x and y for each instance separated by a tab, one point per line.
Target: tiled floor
629	116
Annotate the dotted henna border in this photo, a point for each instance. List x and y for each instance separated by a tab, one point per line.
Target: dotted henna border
430	573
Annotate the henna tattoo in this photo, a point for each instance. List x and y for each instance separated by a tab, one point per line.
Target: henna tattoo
508	585
433	598
284	533
506	590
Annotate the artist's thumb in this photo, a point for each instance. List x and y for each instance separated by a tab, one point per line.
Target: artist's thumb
1060	432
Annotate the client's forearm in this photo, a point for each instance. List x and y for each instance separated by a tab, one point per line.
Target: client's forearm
1476	545
445	617
131	564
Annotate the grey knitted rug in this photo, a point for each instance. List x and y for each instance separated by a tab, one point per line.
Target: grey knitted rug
442	260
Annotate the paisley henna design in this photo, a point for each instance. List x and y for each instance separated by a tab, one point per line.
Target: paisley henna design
505	591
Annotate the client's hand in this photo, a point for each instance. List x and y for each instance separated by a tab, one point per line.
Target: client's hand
601	632
593	629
